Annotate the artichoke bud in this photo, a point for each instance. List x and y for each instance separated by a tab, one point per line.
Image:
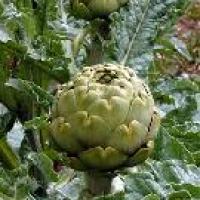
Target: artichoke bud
105	118
90	9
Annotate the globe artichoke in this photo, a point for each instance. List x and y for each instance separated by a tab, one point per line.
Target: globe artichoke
89	9
104	118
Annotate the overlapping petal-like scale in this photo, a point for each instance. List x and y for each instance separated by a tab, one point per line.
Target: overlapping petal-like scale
80	9
103	7
141	155
90	130
103	159
141	109
113	111
105	118
90	9
67	104
63	135
88	99
129	138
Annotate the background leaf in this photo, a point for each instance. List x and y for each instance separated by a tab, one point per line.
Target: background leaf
135	28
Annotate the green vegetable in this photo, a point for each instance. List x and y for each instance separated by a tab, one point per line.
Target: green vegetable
89	9
105	118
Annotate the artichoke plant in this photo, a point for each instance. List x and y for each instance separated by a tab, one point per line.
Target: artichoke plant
105	118
89	9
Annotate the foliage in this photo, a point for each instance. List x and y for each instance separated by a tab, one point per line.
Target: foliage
36	40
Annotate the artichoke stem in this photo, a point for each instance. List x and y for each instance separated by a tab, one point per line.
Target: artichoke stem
101	32
95	52
99	183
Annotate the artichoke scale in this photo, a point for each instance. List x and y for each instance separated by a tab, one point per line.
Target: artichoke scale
102	159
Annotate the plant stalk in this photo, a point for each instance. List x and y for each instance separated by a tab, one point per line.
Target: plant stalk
7	155
99	183
100	32
95	52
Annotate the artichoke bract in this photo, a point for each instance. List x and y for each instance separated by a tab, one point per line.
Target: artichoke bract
90	9
105	118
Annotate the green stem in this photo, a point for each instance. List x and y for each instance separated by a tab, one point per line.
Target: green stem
7	156
95	52
100	32
99	183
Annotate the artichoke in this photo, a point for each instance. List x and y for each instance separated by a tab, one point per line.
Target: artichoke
104	119
89	9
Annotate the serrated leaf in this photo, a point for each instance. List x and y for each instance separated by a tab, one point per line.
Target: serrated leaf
186	84
159	177
16	184
151	197
38	33
183	96
168	147
194	190
190	139
37	123
45	165
72	187
182	194
32	90
136	26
